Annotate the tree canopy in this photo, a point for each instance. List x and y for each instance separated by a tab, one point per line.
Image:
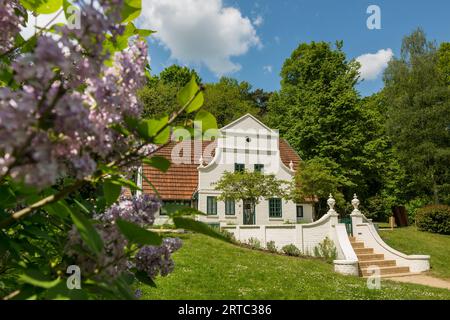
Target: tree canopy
417	94
228	99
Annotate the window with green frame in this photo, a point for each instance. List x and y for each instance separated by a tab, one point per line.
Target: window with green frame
259	167
239	167
229	207
211	205
275	208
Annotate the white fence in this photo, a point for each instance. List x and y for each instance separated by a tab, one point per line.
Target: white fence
307	236
304	236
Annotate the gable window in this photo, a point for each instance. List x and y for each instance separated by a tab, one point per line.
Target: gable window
229	207
259	167
275	208
299	211
239	167
211	205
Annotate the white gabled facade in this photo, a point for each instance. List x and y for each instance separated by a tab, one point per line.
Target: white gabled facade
247	142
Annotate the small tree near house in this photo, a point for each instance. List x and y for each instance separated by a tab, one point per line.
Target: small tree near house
251	186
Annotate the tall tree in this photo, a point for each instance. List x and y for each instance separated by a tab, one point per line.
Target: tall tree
159	96
229	99
320	113
418	97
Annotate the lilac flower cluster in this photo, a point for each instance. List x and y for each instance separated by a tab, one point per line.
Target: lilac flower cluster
107	266
60	118
9	23
155	260
140	210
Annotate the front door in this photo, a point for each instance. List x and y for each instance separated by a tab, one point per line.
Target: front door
249	212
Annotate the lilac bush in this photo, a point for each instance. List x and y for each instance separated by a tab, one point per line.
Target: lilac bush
71	135
50	97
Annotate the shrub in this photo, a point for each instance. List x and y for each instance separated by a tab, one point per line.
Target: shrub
271	246
377	208
434	218
413	205
254	243
291	250
326	249
228	235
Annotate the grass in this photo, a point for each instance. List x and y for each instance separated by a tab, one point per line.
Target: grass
409	240
207	268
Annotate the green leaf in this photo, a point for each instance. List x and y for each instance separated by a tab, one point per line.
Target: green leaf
137	234
59	209
144	32
42	6
158	162
128	183
148	128
197	226
87	231
131	10
205	121
66	6
37	279
163	137
144	278
7	197
111	190
151	185
187	94
61	292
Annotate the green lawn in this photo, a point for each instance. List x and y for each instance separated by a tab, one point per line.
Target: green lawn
411	241
207	268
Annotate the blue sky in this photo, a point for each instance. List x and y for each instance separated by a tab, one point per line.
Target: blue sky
249	40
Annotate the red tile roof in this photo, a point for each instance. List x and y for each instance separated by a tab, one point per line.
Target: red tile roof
181	180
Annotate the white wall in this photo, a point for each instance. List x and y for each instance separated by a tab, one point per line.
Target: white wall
304	236
232	148
289	211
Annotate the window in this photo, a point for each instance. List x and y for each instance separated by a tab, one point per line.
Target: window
239	167
275	208
229	207
259	167
211	205
299	211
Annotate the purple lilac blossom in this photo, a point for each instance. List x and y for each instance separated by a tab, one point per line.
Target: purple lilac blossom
156	260
107	266
137	209
47	126
9	23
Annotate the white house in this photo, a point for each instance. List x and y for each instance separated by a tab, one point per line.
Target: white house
244	144
248	144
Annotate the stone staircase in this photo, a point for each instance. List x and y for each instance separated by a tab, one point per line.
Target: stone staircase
367	257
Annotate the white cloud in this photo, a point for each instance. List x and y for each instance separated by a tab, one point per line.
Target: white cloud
258	21
200	32
373	64
268	69
40	21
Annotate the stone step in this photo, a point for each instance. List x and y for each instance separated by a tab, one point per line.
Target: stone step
397	275
370	256
379	263
357	244
363	250
385	271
